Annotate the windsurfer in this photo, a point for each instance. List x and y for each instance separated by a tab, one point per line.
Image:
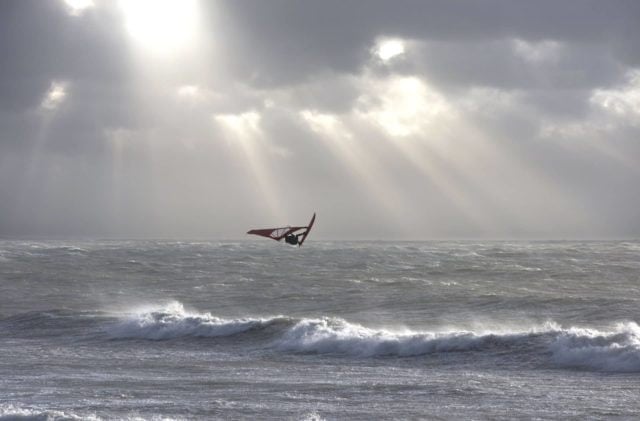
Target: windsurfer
288	234
292	239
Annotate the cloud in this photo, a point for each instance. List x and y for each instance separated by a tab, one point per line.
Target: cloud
54	96
415	119
288	41
621	103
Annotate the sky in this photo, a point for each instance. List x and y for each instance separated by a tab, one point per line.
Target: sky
403	120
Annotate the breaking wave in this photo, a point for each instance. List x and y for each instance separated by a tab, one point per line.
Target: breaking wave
9	412
617	350
336	336
173	321
614	351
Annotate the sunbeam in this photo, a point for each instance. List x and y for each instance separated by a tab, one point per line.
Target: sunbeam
347	148
37	167
417	122
189	116
244	132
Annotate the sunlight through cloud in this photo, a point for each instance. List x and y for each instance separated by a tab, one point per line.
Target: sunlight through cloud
55	95
623	103
339	138
243	124
244	130
77	7
613	111
387	49
401	105
325	124
189	92
160	26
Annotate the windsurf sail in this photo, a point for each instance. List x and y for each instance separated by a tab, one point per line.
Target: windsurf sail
292	235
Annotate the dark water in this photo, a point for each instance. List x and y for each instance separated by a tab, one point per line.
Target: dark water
365	330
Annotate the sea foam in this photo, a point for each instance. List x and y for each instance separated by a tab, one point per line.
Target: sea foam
173	321
336	336
617	350
9	412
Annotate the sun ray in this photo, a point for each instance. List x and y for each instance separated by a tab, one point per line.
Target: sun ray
344	146
458	158
244	131
51	104
406	109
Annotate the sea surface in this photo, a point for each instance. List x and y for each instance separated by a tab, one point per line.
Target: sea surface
258	330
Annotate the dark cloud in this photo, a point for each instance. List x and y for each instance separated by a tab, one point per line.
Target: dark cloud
522	150
287	41
41	42
514	64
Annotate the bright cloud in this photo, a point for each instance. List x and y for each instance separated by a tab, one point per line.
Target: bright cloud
160	26
623	102
401	105
77	7
326	124
191	93
246	123
387	49
55	95
188	90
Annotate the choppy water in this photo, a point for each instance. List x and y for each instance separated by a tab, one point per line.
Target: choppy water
364	330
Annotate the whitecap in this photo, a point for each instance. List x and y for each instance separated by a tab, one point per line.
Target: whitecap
617	350
11	412
173	321
336	336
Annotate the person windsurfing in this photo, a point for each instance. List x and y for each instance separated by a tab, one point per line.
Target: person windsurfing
293	238
288	234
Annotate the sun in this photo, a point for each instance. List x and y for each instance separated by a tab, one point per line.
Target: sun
77	7
387	49
161	26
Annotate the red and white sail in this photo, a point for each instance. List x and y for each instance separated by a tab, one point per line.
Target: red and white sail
281	232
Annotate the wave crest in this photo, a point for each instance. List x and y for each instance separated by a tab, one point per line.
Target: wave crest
173	321
615	351
14	412
336	336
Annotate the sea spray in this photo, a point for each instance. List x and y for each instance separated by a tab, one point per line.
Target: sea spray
336	336
14	412
173	321
617	350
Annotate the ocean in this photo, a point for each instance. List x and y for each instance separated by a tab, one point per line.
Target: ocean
151	330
